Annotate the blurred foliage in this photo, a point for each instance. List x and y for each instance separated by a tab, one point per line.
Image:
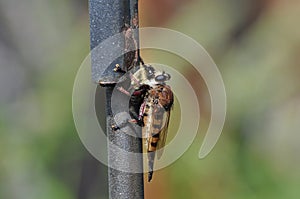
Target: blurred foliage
256	45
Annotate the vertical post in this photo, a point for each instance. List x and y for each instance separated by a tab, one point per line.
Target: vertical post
108	18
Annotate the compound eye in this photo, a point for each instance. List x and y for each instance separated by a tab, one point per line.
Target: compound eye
160	78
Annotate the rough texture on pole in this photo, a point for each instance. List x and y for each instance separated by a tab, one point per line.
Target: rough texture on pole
108	18
124	184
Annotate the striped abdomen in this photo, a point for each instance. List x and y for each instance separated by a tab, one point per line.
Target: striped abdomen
156	119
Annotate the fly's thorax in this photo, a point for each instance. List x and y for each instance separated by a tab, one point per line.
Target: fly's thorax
143	75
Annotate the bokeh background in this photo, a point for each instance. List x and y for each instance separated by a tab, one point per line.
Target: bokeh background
256	45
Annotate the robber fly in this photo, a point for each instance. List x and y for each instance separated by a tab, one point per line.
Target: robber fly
149	107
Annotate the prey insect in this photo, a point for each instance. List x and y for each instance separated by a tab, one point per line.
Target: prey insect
149	107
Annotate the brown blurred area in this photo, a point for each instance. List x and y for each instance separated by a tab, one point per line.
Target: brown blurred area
242	37
255	44
158	12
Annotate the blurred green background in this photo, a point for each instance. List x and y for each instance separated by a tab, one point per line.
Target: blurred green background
256	45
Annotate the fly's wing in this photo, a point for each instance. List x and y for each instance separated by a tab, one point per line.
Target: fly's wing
147	119
163	134
154	123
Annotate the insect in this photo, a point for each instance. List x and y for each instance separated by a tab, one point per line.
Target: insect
150	107
156	116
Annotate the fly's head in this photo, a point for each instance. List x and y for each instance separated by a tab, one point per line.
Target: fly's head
160	78
148	75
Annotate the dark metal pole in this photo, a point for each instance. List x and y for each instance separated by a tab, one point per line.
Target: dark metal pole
107	18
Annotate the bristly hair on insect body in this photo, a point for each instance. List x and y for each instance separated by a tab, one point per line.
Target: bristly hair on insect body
150	106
